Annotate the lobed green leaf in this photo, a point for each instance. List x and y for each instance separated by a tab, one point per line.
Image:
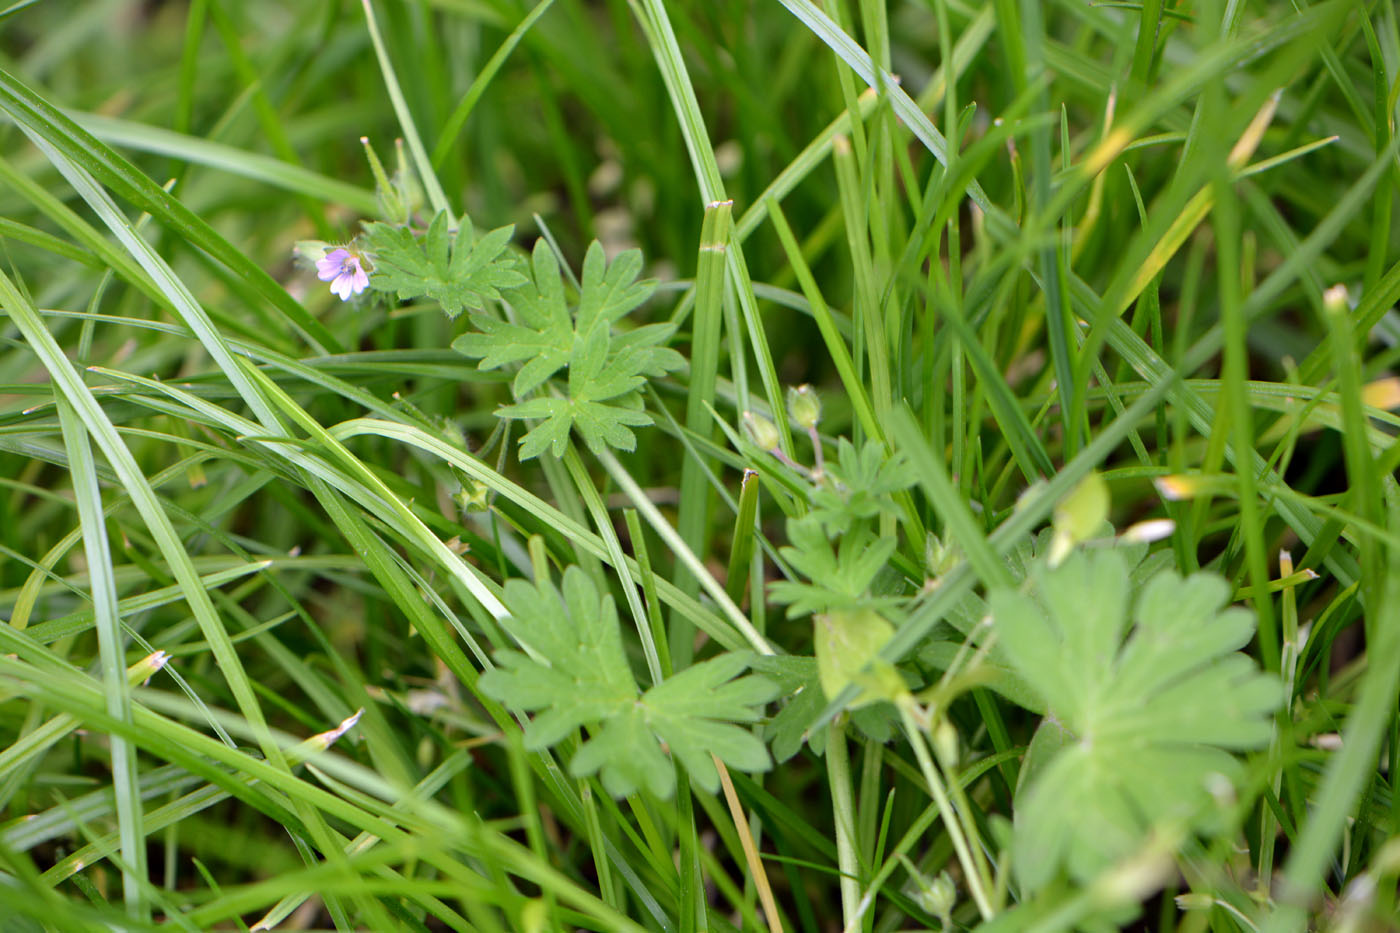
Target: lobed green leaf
1139	721
446	266
576	676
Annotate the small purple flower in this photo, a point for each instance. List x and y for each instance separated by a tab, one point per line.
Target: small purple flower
342	269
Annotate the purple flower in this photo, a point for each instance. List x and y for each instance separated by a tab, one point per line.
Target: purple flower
342	269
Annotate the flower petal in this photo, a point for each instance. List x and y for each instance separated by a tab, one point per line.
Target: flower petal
331	265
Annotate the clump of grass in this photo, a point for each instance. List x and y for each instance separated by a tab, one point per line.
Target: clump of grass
802	466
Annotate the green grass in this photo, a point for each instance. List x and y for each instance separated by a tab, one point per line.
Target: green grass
1052	269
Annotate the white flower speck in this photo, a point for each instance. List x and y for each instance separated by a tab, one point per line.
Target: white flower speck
342	269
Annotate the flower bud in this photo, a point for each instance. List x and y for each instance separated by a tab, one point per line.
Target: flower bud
1145	532
310	252
406	181
760	430
146	668
945	742
472	496
391	205
1085	509
1079	516
324	740
940	557
804	406
938	897
1336	300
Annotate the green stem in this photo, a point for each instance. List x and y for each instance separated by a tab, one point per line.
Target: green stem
608	533
976	884
683	553
838	775
431	185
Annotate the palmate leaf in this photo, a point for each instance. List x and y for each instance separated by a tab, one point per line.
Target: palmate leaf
839	578
1137	728
578	677
962	627
449	268
859	484
610	291
600	424
583	630
605	369
799	681
544	337
694	713
602	403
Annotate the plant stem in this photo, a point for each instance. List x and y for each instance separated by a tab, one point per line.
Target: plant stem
976	884
838	775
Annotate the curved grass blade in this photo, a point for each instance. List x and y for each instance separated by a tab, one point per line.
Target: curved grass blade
481	82
110	641
43	120
241	162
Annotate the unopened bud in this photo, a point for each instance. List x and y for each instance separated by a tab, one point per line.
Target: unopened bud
406	181
1154	529
1084	510
144	669
310	252
760	430
1336	300
939	897
324	740
804	406
945	742
940	557
391	205
1176	487
1078	516
453	432
472	496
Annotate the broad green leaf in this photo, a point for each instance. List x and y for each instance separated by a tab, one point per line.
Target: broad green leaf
581	628
445	266
859	484
796	678
1080	515
605	370
965	617
610	291
1141	717
600	423
693	713
544	337
839	578
576	676
625	756
847	641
